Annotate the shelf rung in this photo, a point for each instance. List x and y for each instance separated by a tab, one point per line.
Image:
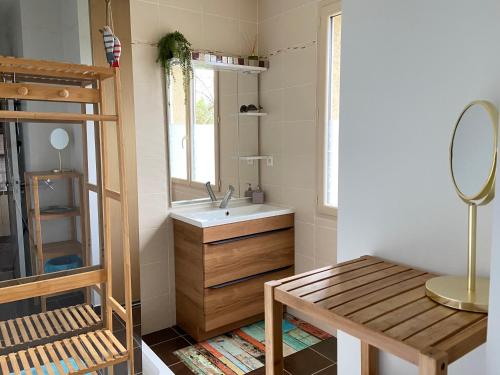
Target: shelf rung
51	286
54	117
75	211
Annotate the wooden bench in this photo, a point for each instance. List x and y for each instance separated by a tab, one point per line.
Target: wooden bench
381	303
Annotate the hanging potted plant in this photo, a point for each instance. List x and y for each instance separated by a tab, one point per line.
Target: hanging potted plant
175	49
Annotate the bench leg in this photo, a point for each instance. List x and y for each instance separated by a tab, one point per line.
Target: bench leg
433	362
369	359
274	333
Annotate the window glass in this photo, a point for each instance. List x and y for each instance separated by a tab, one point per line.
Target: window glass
332	126
177	128
203	164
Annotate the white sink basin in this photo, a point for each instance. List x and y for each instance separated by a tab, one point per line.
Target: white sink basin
209	216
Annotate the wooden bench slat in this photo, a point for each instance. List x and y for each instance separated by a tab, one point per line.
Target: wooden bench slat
329	272
402	314
339	279
420	322
345	296
388	306
344	286
443	329
380	295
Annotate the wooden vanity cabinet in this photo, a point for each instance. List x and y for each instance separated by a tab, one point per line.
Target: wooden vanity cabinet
220	271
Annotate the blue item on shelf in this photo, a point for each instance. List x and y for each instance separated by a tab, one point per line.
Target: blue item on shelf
67	262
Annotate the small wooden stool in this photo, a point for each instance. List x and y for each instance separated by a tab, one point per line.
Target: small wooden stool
381	303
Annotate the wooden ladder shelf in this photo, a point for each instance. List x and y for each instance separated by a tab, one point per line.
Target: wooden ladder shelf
74	340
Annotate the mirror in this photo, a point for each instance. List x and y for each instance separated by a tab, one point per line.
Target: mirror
59	139
473	159
207	134
473	151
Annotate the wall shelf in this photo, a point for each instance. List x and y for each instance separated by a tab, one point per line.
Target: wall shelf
231	67
251	158
255	114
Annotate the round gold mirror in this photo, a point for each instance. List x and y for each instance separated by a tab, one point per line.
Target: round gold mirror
473	159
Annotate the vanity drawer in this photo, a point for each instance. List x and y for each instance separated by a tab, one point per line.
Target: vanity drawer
244	299
240	257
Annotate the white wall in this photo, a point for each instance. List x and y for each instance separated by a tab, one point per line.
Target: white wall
493	344
221	25
408	69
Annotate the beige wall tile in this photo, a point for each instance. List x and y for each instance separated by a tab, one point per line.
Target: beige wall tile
145	24
154	245
272	34
155	280
299	25
272	79
326	244
272	101
303	200
249	10
299	66
187	22
273	193
195	5
304	238
153	210
223	8
151	177
270	8
221	34
248	83
299	102
271	138
274	175
156	313
299	138
300	171
145	68
303	263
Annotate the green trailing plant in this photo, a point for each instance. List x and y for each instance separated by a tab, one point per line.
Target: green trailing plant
175	49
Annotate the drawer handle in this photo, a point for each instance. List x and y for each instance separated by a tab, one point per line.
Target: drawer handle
243	279
235	239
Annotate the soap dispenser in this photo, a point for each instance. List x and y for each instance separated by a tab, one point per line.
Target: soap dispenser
249	191
258	196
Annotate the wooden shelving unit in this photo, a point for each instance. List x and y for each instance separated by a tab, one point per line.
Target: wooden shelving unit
71	340
41	251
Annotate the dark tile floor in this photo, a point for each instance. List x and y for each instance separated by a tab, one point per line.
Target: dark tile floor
319	359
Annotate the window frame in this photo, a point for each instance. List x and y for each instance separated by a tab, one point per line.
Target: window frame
327	9
190	110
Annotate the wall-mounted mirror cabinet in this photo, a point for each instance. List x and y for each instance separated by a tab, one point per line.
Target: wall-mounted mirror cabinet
208	137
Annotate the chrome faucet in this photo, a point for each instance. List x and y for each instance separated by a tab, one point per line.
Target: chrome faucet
210	191
227	197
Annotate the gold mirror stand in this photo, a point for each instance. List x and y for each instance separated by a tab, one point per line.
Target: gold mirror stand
468	293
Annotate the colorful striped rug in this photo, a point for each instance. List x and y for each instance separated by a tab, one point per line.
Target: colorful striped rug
242	351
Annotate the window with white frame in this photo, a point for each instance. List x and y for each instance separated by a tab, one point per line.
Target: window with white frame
329	100
192	128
